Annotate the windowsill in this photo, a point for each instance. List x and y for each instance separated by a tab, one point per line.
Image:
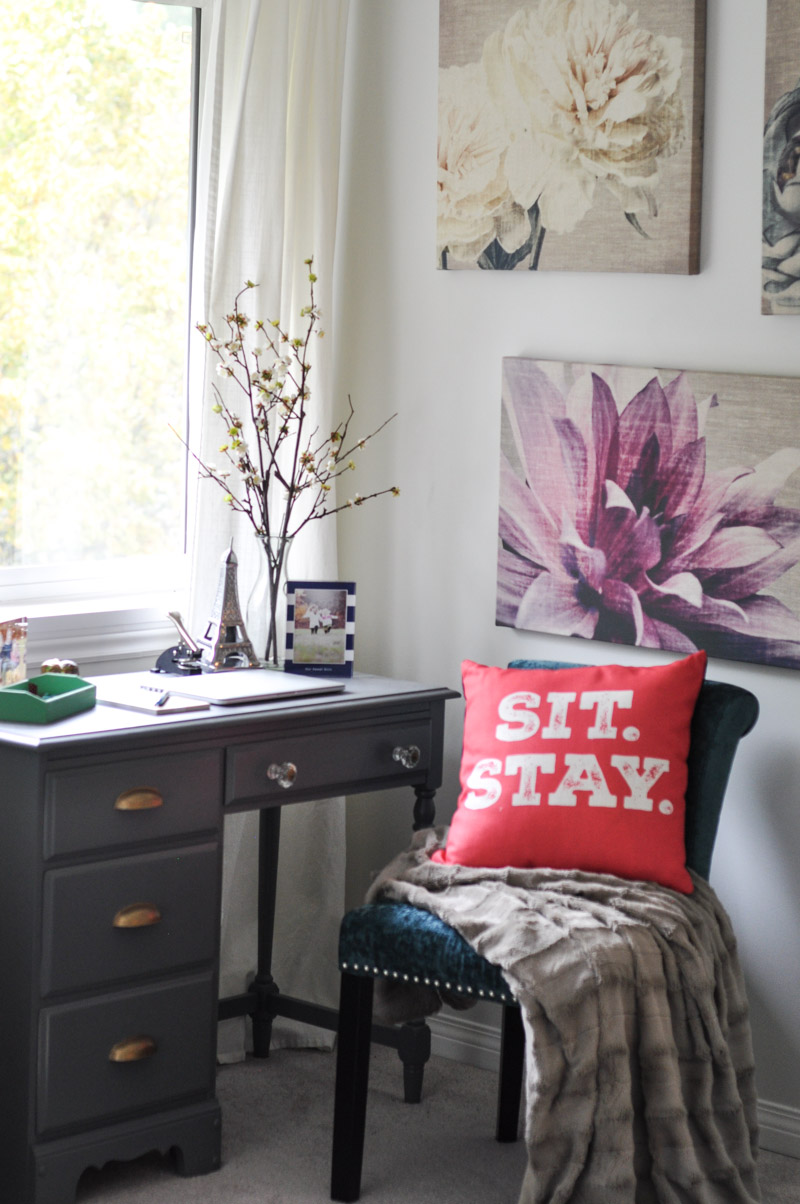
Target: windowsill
101	635
108	617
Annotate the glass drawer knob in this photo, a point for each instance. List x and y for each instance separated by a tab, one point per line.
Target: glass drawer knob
284	774
408	757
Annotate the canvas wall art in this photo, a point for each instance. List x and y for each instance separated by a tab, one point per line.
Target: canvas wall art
569	134
651	507
780	276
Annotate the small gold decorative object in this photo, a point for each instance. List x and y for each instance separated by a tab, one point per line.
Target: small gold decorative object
54	664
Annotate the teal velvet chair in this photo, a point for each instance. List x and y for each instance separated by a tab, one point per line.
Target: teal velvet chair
398	941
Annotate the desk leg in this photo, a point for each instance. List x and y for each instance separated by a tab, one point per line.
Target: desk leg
264	986
424	809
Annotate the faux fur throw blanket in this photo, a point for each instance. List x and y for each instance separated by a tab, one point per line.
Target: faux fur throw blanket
639	1064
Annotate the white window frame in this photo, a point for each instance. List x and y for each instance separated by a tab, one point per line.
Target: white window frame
109	617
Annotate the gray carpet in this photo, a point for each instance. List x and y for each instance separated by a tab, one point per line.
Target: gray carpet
277	1134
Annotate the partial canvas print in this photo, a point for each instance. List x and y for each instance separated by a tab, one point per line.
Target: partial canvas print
651	507
569	135
780	276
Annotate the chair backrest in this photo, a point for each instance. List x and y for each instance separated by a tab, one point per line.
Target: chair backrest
723	714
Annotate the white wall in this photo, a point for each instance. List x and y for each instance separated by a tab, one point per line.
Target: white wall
428	344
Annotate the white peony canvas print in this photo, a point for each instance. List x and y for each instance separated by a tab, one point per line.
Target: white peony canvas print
569	135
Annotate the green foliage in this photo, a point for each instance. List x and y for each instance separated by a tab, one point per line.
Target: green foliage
94	122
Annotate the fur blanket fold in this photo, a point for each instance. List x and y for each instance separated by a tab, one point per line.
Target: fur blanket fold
639	1075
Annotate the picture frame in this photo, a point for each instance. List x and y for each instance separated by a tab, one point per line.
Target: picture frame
780	225
653	507
544	165
320	627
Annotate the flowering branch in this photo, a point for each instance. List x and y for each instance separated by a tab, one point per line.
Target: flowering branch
272	449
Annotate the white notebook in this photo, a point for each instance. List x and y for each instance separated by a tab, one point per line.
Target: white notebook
149	693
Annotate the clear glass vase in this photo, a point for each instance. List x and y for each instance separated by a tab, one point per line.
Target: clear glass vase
265	613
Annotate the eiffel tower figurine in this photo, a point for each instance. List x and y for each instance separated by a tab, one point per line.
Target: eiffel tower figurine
225	643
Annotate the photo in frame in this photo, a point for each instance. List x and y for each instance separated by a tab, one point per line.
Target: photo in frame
570	135
651	507
780	248
320	627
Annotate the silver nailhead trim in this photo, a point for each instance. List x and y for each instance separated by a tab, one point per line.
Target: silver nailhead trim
504	996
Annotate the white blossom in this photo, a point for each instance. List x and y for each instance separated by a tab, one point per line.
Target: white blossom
474	203
586	95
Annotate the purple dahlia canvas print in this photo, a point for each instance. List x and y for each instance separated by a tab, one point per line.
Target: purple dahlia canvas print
651	507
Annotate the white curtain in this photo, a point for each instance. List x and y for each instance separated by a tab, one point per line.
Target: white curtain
269	136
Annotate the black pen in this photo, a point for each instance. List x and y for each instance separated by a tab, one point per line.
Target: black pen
160	701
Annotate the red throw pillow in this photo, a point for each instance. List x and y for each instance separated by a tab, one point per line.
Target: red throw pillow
579	768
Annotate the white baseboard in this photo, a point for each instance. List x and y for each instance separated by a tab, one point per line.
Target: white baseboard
475	1044
779	1128
464	1040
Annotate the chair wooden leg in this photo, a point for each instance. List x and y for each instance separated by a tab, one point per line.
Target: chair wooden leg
414	1049
512	1060
352	1079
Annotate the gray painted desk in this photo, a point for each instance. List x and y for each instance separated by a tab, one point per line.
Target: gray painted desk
111	830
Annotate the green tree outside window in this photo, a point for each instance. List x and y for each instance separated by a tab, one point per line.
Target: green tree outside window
95	113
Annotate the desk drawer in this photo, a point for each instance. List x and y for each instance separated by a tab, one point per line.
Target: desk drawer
78	1082
139	799
121	919
335	762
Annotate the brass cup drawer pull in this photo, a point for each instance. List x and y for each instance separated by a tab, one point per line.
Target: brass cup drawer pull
408	757
284	774
132	1049
137	915
142	798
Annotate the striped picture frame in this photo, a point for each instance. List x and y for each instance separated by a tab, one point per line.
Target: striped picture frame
320	627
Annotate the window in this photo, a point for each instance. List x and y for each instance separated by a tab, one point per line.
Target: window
96	129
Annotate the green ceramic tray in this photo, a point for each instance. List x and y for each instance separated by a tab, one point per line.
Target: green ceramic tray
57	696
